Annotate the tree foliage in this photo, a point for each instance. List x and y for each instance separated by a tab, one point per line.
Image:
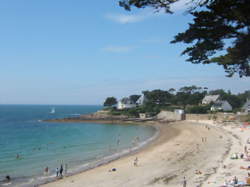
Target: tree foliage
188	98
218	25
157	97
110	101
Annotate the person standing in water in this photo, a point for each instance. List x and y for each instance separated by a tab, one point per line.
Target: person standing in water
61	170
57	172
46	171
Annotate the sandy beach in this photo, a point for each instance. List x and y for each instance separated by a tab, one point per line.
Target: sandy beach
196	150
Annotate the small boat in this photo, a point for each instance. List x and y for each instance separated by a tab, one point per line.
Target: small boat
52	111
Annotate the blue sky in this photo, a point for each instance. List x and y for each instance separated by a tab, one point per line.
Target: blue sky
80	52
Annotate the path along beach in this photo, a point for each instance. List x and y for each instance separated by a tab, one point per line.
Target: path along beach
198	150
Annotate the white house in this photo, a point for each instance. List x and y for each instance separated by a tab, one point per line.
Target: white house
210	98
246	106
221	106
141	100
125	103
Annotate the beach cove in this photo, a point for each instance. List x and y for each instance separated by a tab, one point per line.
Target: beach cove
28	145
196	150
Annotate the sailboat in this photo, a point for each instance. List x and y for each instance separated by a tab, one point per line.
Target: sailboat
52	111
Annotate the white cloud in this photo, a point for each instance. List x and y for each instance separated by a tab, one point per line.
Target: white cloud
118	49
141	15
125	18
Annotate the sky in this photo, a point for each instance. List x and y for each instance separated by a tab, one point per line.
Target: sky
80	52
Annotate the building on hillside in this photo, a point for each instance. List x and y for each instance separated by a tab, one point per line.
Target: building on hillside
221	106
210	98
246	106
141	100
125	103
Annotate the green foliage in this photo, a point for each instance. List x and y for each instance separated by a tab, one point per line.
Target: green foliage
217	24
189	95
198	109
157	97
188	98
131	112
110	101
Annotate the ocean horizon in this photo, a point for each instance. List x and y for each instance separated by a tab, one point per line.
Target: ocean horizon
28	145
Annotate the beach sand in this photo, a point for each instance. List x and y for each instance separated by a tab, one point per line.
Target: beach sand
194	150
232	167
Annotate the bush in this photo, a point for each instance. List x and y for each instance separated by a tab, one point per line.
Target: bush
198	109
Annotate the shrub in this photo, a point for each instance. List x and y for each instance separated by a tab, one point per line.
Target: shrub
198	109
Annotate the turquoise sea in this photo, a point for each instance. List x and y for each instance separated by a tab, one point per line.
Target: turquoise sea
28	145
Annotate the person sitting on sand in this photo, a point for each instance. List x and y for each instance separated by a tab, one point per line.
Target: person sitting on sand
198	172
113	169
136	162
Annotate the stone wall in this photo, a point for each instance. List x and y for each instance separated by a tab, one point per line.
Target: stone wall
170	116
217	116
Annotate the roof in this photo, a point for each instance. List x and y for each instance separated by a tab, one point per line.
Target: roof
126	100
210	98
219	103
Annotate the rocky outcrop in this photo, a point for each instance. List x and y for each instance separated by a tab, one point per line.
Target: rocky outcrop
102	115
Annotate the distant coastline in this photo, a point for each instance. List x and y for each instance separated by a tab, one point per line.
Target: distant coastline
102	117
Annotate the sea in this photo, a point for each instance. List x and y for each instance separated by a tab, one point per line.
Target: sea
28	144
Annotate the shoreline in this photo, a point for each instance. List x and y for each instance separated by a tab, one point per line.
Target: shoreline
172	148
104	160
108	159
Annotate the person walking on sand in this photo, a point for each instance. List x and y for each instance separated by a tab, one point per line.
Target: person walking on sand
184	182
61	170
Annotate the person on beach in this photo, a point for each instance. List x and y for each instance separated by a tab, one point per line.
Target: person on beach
184	182
136	162
235	180
57	172
17	156
61	170
7	178
46	171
